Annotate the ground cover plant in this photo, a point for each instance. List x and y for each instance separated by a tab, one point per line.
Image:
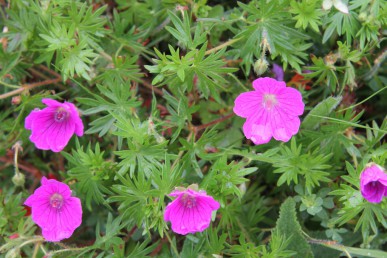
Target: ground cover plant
193	128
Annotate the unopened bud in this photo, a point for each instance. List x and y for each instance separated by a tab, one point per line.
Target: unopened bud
330	59
260	66
363	16
14	236
18	179
152	131
16	100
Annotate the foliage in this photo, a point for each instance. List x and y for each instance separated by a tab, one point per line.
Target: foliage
155	83
288	227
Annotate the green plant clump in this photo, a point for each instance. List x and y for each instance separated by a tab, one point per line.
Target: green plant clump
155	84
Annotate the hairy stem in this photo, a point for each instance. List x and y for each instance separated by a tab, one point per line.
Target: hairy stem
225	44
217	121
173	246
29	87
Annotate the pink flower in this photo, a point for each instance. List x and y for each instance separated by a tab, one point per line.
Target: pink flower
271	110
191	211
55	210
373	183
53	126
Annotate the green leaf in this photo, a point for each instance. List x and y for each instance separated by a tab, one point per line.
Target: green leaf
267	24
343	24
306	14
289	227
91	172
182	31
324	108
351	250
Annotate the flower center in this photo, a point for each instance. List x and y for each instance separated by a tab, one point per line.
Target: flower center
269	101
56	201
188	201
61	114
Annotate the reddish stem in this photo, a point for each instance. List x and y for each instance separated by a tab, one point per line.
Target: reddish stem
216	121
28	87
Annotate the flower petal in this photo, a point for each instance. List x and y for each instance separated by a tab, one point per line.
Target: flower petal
258	128
177	218
71	214
56	222
373	173
48	131
290	101
374	192
49	134
267	85
247	103
60	135
75	117
51	103
55	235
193	218
209	200
284	127
30	118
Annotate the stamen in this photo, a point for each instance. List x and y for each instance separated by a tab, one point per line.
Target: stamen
188	201
56	201
269	101
61	114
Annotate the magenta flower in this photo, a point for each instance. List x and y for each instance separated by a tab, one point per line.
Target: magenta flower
271	110
55	210
53	126
373	183
191	211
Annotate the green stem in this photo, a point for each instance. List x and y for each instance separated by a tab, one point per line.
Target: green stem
67	250
172	244
119	50
216	121
361	102
33	240
238	81
36	249
349	123
9	85
16	148
181	152
246	234
43	249
225	44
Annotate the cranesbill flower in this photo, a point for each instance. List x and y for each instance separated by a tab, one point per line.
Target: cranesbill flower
191	211
55	210
373	183
271	110
52	127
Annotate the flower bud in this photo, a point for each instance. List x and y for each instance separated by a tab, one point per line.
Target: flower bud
18	179
14	236
363	16
260	66
16	100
